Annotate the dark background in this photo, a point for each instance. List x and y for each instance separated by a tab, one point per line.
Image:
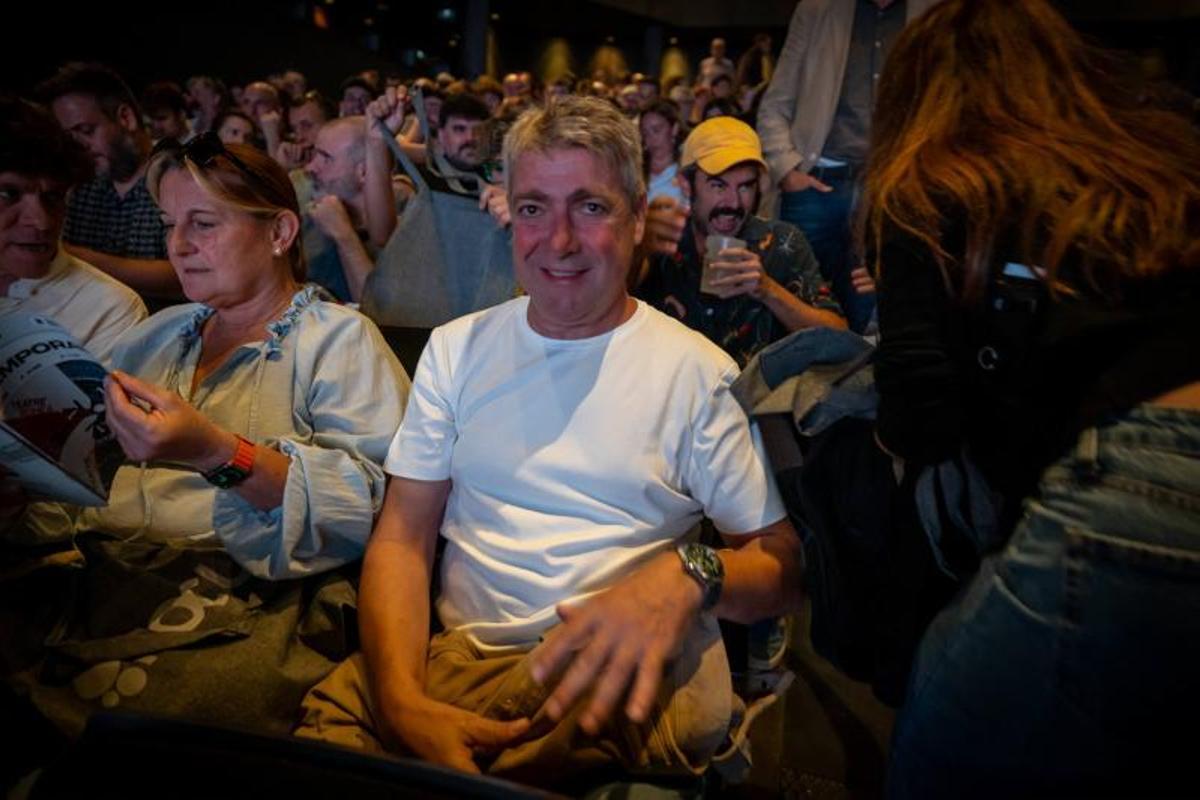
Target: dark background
241	41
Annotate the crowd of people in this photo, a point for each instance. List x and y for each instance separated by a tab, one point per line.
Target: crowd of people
546	515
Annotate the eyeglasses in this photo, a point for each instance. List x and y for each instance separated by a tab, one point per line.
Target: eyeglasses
202	150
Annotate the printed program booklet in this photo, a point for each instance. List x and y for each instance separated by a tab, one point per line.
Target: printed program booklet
53	434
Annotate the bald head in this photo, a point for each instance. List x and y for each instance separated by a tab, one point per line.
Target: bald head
260	97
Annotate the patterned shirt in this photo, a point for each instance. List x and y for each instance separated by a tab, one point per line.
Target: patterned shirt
741	326
128	227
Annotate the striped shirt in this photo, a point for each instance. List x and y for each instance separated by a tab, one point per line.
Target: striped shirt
129	226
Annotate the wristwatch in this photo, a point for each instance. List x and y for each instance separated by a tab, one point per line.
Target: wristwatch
702	563
236	469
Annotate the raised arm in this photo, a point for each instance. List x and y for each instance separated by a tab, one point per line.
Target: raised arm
385	116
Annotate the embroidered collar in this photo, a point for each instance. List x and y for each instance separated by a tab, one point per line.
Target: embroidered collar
278	329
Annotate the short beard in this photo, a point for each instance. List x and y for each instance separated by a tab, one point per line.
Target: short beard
124	160
460	165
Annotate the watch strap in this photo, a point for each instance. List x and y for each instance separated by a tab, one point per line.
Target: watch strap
236	469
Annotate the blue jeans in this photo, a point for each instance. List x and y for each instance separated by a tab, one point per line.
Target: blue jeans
1071	662
824	217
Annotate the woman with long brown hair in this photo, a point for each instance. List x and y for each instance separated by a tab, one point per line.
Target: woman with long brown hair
1035	232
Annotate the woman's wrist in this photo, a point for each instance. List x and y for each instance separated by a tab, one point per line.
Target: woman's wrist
219	449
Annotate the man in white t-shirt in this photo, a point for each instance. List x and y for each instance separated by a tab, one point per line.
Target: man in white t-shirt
39	163
564	444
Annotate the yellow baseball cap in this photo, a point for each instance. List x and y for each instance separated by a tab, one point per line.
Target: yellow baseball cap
719	143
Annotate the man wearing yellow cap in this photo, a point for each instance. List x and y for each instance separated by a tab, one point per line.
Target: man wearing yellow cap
762	291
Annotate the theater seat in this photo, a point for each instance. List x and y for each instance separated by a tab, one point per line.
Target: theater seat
136	756
406	343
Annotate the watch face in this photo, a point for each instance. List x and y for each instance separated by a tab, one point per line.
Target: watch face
707	561
226	477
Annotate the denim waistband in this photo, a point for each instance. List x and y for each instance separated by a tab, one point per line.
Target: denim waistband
1175	430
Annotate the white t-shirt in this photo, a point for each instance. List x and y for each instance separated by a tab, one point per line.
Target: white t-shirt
94	307
663	184
572	461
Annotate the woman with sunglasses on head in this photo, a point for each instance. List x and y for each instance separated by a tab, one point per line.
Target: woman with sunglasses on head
257	416
1037	236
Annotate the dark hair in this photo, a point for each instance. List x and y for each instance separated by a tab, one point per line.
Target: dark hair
432	93
215	84
359	82
93	80
464	106
32	143
670	112
255	132
724	106
164	96
314	96
999	111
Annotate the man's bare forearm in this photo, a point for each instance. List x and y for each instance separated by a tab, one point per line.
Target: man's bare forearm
379	201
394	589
763	577
356	263
795	314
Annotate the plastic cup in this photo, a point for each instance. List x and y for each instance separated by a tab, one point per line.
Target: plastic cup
713	245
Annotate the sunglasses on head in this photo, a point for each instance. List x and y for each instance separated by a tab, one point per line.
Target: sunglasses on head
202	150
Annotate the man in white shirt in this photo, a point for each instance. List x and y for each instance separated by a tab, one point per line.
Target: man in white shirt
716	63
39	163
565	444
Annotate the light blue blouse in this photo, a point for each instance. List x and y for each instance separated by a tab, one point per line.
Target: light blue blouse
324	389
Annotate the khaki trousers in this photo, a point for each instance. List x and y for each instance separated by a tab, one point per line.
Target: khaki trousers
690	718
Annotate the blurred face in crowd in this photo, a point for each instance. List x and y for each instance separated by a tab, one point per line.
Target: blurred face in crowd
717	48
491	100
648	90
166	123
305	120
235	130
222	255
658	135
721	203
355	100
629	98
110	141
515	84
574	234
459	141
433	111
682	96
205	96
722	88
295	84
32	210
334	167
259	98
